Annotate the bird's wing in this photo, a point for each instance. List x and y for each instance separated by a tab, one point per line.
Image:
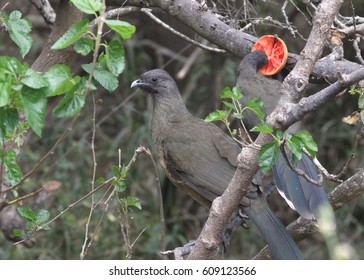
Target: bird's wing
205	161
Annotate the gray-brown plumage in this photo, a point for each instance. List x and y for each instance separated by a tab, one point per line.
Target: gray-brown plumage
301	195
201	159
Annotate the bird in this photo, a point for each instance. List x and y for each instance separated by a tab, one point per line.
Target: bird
200	158
301	195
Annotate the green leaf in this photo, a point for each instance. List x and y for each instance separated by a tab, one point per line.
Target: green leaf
307	141
26	213
262	127
5	91
120	186
295	145
218	115
268	155
34	103
9	118
34	80
19	30
88	6
115	171
123	172
361	101
103	76
133	201
229	105
11	65
123	28
84	46
42	216
100	180
17	232
72	102
256	105
13	173
72	34
115	59
362	116
60	79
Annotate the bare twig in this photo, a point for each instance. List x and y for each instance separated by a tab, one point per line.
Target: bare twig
166	26
101	21
358	137
299	171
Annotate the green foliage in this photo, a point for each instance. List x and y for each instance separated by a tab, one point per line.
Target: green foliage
72	34
268	153
123	28
19	30
88	6
34	220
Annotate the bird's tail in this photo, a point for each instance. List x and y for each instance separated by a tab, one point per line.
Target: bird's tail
307	199
274	232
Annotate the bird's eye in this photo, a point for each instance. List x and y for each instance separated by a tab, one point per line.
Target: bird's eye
154	79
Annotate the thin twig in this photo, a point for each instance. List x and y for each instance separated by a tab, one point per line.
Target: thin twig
101	21
358	137
184	37
299	171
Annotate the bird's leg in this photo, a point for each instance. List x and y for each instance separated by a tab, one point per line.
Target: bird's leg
239	220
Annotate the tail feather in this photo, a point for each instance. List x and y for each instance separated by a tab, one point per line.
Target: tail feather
274	232
301	195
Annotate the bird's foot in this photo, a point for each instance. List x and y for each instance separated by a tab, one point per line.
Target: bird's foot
179	252
239	220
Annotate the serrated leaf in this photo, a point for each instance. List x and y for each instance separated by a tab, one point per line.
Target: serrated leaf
262	127
19	30
295	145
42	216
60	79
237	95
103	76
308	142
72	34
123	28
84	46
26	213
72	102
115	59
34	104
218	115
13	173
256	105
226	93
268	155
88	6
133	201
279	134
120	185
34	80
123	172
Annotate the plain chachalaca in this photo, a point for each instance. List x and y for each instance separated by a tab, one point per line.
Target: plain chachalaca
301	195
201	159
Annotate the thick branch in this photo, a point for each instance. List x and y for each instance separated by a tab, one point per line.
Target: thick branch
206	23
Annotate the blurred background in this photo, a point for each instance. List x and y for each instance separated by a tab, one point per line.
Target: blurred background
123	122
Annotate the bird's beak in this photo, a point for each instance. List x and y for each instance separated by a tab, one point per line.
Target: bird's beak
144	85
136	83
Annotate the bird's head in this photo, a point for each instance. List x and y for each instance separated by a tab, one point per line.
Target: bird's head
155	81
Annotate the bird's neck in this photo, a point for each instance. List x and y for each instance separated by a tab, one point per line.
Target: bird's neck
166	113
